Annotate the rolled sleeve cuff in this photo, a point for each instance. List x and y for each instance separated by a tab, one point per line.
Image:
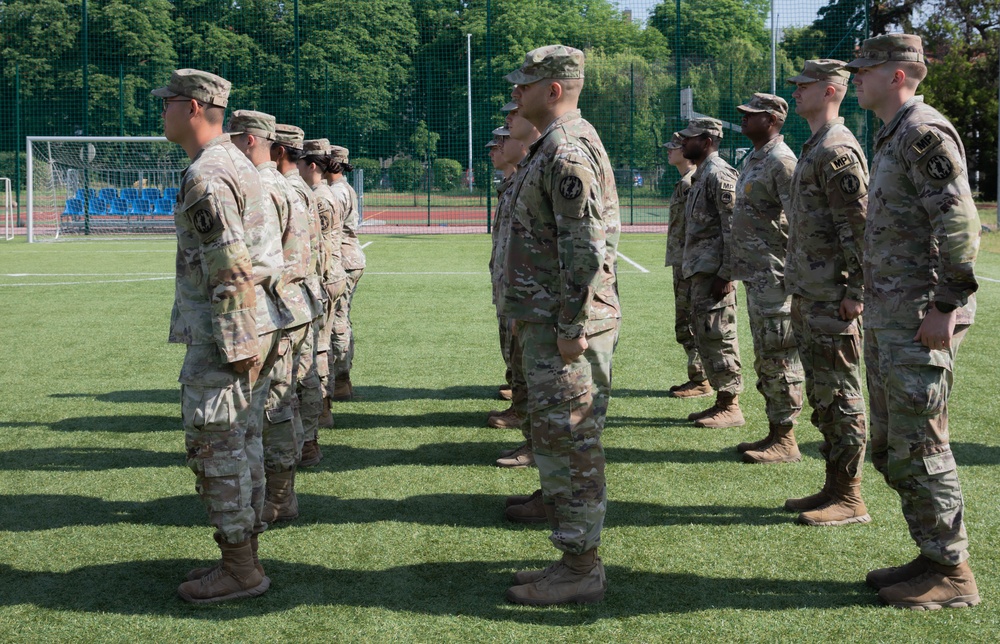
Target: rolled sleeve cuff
236	335
570	331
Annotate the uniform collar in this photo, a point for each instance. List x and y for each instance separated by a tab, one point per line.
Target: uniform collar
757	155
820	133
704	164
571	115
887	130
266	165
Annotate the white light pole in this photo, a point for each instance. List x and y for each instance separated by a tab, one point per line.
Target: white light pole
468	74
774	45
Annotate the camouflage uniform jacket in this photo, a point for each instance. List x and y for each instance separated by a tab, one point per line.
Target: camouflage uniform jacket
827	217
214	296
351	254
501	232
560	266
675	224
922	233
332	227
314	273
292	221
760	219
708	216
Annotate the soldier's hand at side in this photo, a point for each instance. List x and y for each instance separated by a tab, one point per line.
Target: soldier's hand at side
936	330
570	350
850	309
245	365
721	288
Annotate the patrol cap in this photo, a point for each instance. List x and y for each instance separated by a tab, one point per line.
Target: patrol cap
251	122
339	153
676	141
289	135
493	143
702	125
823	69
194	83
501	131
316	147
768	103
882	49
551	61
509	107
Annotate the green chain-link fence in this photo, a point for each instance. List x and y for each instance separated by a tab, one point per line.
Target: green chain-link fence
390	79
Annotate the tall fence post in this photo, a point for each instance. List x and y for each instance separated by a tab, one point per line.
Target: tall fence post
631	143
298	96
17	138
489	94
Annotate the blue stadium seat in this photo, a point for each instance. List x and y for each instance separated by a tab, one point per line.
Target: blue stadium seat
73	207
81	194
163	207
98	207
151	194
119	207
130	194
141	207
107	194
170	193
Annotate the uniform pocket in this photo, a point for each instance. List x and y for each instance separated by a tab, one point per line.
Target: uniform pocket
919	380
221	487
559	388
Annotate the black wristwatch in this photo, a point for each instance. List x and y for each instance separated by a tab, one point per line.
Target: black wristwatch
944	307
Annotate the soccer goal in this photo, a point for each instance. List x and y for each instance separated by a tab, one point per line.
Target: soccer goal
80	187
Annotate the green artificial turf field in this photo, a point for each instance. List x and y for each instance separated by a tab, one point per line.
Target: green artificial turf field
401	534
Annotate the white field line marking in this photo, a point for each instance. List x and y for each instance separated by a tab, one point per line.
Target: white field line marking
988	279
159	274
641	269
366	245
147	279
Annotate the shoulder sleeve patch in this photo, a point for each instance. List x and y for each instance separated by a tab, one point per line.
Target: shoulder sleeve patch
927	142
206	219
727	186
840	163
570	187
940	167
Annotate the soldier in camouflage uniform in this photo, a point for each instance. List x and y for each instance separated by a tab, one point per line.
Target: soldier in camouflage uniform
823	274
759	234
697	383
214	314
707	244
560	292
253	133
352	258
286	151
921	242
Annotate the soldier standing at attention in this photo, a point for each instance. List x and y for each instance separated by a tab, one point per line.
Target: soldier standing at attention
707	243
214	315
760	234
560	292
921	241
697	384
823	274
287	149
253	133
345	201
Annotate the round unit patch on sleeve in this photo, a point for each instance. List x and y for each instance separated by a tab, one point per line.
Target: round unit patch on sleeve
203	221
570	187
850	184
940	167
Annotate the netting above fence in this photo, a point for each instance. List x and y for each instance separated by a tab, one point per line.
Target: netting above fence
408	85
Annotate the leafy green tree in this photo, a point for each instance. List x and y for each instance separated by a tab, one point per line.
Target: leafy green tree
447	174
405	175
372	171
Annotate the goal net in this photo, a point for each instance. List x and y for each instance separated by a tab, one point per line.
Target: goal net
80	187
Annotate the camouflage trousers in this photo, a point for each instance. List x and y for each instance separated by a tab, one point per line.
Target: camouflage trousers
776	357
684	327
282	435
908	386
341	354
215	408
308	385
269	344
830	349
566	406
324	325
515	377
714	324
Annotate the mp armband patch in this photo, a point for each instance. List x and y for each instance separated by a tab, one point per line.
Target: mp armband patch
841	162
927	141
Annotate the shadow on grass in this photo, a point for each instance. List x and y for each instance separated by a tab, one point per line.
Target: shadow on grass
122	424
366	393
31	512
467	588
86	459
170	396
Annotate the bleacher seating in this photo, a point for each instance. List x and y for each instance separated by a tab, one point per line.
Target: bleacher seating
130	194
98	207
141	207
119	207
74	208
107	194
170	193
81	194
163	207
150	194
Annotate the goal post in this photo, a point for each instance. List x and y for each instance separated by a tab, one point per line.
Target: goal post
79	187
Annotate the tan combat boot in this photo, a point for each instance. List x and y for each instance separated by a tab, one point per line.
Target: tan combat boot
885	577
237	576
198	573
531	511
507	419
758	444
522	457
940	586
510	452
844	507
520	499
813	501
783	449
281	503
311	453
727	413
342	388
691	389
576	579
326	418
505	392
